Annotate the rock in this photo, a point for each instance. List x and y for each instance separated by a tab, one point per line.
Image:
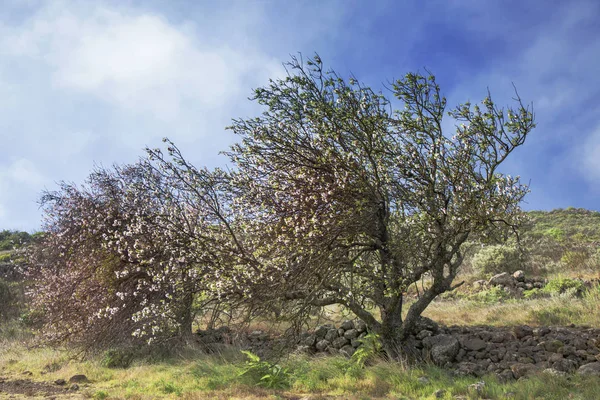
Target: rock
522	370
477	387
355	343
506	375
468	368
542	331
80	378
305	350
522	331
479	284
503	279
423	380
360	326
552	346
554	372
423	334
592	369
74	387
60	382
519	276
443	348
439	393
473	344
426	323
322	345
351	334
321	331
310	340
565	365
331	335
347	325
347	351
340	342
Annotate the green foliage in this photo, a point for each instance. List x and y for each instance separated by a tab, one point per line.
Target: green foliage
555	233
369	351
100	395
570	225
533	294
264	373
490	296
13	239
117	358
497	258
168	387
559	286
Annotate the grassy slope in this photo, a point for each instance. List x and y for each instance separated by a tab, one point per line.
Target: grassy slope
205	377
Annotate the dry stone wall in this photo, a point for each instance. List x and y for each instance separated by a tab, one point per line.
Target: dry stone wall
508	352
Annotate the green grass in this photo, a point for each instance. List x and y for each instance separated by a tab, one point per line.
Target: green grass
215	377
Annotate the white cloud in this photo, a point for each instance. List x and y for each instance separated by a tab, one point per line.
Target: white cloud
87	83
137	61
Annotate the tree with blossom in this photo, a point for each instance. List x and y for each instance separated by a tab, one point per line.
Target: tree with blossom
351	202
128	255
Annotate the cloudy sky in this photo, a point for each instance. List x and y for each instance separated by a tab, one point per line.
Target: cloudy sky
93	82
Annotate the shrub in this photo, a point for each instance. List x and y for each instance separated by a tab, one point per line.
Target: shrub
496	258
264	373
534	294
567	286
117	358
368	351
492	295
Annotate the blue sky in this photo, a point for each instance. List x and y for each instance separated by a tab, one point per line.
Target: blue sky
93	82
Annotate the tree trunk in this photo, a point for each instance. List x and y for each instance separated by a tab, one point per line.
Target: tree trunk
186	318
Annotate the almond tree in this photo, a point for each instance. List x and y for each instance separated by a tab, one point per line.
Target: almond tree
350	202
125	255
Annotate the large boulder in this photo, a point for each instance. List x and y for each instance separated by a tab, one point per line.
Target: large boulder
592	369
503	279
442	348
519	276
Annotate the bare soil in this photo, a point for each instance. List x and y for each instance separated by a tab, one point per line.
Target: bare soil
26	388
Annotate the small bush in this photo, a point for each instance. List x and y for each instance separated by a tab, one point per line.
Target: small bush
100	395
369	350
492	295
559	286
496	259
264	373
117	358
169	387
534	294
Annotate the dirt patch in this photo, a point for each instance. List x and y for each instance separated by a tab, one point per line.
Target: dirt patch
30	389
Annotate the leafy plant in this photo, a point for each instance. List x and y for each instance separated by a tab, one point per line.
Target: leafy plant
264	373
117	358
559	286
496	258
369	350
492	295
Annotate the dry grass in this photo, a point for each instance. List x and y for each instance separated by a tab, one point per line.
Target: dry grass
558	310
